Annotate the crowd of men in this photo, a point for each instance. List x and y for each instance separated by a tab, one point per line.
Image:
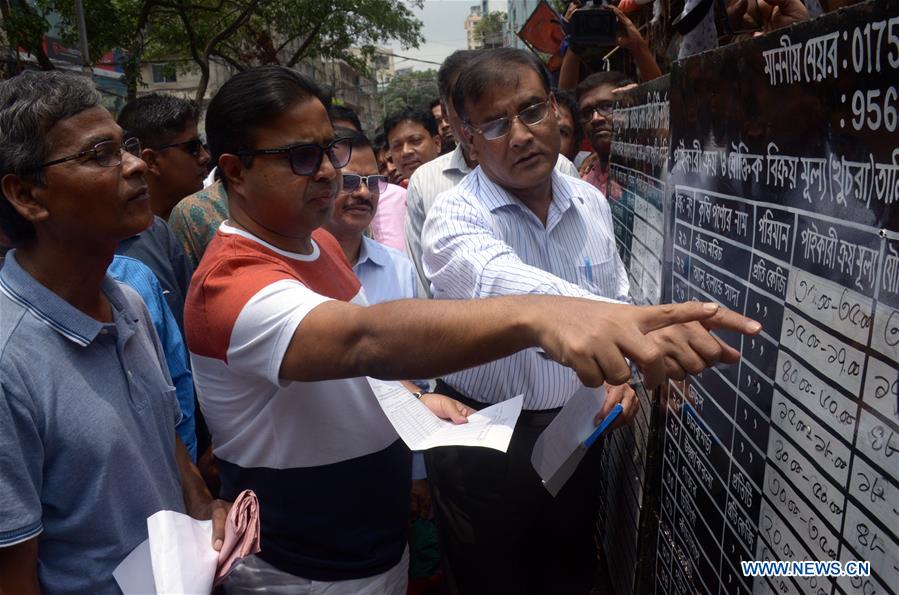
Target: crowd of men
182	320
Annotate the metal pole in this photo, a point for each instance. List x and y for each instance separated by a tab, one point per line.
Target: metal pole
82	39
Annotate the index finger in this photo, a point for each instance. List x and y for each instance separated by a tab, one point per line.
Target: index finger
651	318
726	319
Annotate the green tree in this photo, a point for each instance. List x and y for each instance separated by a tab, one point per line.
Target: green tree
246	33
23	27
490	27
111	24
416	89
241	33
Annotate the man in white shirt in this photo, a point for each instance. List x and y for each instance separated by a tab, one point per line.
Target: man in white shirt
446	171
515	225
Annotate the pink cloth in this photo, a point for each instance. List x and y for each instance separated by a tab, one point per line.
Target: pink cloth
241	534
388	226
601	181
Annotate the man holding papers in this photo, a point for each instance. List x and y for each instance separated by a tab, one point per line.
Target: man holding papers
514	226
281	340
88	448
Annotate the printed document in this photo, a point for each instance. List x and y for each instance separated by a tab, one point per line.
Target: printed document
420	429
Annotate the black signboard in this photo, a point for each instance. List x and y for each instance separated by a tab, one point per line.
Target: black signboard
636	193
783	199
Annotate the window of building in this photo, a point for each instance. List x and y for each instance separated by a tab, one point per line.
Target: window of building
164	73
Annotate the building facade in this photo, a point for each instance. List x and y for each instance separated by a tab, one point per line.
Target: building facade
517	12
473	18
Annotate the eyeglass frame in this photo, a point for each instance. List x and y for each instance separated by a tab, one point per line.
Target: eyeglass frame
549	100
594	109
321	154
93	152
198	141
381	179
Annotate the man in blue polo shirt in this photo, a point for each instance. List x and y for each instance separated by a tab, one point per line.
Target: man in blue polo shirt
87	409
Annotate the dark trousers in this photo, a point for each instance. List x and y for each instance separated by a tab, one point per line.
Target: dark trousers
500	530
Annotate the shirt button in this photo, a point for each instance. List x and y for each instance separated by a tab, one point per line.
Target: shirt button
130	374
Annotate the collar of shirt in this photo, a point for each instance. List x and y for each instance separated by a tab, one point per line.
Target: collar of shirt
495	197
372	251
457	161
52	310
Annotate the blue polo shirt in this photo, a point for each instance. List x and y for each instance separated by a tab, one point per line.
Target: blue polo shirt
386	274
87	431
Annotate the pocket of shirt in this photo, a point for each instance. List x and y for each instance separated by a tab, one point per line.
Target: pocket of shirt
599	278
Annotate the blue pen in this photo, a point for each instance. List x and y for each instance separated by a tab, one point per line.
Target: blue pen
604	425
588	269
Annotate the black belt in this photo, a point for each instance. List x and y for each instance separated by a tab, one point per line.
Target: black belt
536	417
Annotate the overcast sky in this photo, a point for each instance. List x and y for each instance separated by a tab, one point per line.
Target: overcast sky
443	31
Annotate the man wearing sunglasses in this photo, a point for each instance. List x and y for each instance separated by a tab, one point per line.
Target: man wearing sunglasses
385	273
176	160
88	448
516	226
281	342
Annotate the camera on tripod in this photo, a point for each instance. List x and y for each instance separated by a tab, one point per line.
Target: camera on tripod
592	26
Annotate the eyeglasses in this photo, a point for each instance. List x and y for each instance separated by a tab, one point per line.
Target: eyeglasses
192	146
376	184
305	159
107	153
604	109
529	116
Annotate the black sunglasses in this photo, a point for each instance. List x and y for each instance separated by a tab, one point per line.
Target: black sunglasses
192	146
376	184
306	159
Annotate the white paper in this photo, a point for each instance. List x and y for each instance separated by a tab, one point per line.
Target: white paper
181	552
135	573
420	429
177	557
558	450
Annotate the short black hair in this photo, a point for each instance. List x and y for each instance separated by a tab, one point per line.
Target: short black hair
156	119
566	100
342	112
412	114
611	78
360	141
379	142
450	69
249	100
491	68
434	103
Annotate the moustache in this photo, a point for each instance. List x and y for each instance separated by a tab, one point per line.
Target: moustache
360	203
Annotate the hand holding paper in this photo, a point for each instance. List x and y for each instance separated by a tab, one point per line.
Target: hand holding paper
178	557
565	441
420	429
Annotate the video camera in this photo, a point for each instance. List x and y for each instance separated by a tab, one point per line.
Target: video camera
592	26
